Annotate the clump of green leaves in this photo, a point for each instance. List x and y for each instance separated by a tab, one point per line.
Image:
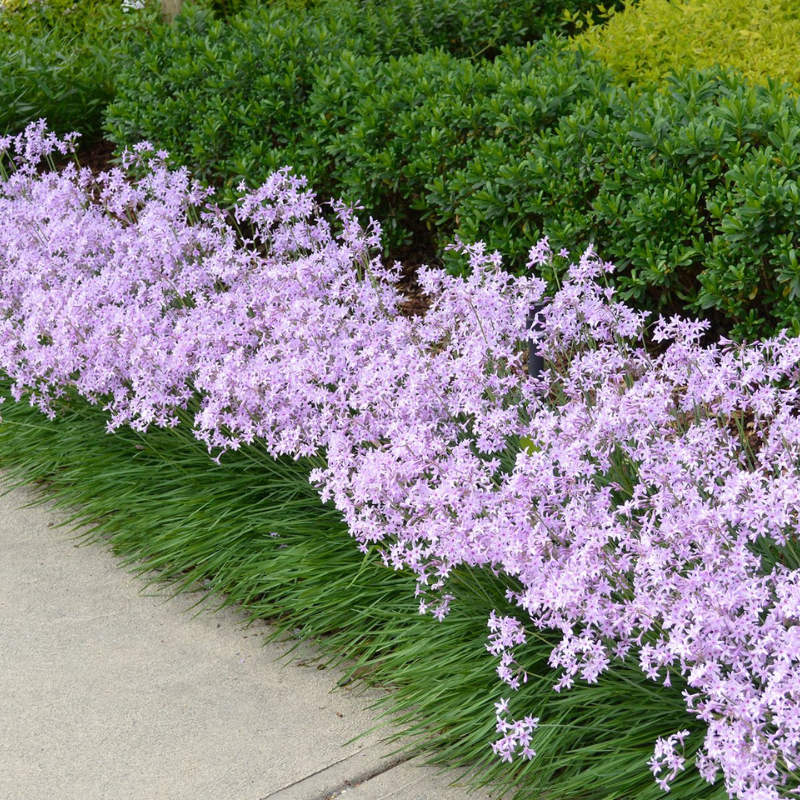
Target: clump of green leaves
228	94
652	38
59	59
691	190
225	95
393	134
252	531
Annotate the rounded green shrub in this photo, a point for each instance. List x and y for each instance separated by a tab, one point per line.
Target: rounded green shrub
691	191
392	134
690	186
227	95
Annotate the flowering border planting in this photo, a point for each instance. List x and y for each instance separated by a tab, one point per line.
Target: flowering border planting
646	503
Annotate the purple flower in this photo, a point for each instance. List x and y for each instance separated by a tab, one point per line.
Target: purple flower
631	496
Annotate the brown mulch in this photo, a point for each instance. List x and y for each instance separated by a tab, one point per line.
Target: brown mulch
98	156
412	257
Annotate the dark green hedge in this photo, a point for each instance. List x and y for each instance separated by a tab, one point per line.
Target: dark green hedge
228	93
689	187
692	192
401	131
58	59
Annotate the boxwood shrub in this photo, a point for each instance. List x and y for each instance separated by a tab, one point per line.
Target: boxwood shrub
227	94
692	191
223	95
690	185
394	134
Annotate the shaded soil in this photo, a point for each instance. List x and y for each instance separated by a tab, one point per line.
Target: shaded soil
97	156
412	257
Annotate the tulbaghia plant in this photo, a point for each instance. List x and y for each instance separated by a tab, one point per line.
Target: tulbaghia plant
646	502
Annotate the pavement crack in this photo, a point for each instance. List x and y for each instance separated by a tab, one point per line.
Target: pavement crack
310	775
347	783
366	775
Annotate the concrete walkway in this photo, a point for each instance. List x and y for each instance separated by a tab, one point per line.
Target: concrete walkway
108	692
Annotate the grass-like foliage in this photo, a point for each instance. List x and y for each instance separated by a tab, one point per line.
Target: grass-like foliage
638	511
651	38
59	60
252	531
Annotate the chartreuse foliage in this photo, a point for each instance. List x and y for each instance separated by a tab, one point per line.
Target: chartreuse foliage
59	59
187	523
652	38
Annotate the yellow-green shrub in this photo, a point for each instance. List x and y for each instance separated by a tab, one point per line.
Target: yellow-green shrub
648	40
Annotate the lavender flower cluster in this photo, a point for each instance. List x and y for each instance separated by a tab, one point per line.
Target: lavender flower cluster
645	502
